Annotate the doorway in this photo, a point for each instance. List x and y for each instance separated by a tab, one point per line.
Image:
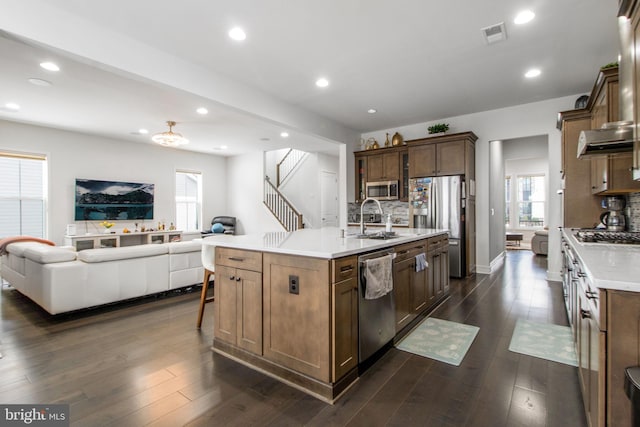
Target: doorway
328	199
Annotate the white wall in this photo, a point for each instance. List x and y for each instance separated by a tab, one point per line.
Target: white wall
537	118
303	188
245	180
496	202
73	155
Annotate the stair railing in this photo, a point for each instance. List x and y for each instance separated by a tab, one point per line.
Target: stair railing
281	208
288	164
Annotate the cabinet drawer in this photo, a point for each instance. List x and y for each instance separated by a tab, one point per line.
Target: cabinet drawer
437	242
247	260
344	268
409	250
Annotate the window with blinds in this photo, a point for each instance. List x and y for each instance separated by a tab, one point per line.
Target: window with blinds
188	201
22	195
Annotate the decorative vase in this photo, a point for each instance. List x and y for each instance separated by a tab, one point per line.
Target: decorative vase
387	143
397	139
107	231
375	145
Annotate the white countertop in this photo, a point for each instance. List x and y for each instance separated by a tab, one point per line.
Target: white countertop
316	242
609	266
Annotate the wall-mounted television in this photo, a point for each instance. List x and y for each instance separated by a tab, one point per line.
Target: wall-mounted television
112	200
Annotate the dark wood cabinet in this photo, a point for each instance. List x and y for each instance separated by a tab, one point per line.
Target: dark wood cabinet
383	167
422	161
344	301
382	164
581	209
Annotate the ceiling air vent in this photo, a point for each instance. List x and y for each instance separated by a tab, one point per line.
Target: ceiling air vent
494	33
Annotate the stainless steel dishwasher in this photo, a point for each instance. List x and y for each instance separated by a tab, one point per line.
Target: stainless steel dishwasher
376	317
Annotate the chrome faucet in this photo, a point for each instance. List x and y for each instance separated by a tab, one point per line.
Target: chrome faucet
362	228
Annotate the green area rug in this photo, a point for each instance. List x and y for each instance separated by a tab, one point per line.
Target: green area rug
441	340
543	340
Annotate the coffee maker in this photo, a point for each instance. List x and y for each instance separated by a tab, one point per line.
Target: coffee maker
614	218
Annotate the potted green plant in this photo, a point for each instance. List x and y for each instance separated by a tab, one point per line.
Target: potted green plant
438	128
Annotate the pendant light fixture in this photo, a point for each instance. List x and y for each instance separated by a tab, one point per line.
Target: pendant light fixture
170	138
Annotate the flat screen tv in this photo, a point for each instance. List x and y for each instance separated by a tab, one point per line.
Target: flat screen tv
112	200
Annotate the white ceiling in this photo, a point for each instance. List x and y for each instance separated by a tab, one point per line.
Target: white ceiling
412	60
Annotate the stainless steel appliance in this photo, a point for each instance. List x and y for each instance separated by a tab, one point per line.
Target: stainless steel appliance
614	137
382	190
376	317
608	237
614	218
438	202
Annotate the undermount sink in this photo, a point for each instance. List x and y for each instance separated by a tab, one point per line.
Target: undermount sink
380	235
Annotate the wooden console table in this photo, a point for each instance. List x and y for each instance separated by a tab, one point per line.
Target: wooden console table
516	238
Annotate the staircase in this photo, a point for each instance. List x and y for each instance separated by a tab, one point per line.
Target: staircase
280	207
288	164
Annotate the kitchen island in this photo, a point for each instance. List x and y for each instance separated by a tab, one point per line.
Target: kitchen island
286	304
602	296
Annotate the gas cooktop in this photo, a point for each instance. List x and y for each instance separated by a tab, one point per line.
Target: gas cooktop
611	237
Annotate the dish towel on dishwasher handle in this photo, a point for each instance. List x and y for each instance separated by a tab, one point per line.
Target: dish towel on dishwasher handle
379	277
421	262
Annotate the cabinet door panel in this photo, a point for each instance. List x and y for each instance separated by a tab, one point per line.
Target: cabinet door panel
450	157
402	292
250	310
418	289
224	308
391	164
375	168
422	161
345	327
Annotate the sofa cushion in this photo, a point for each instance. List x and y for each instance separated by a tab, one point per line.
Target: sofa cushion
122	252
18	248
184	247
43	254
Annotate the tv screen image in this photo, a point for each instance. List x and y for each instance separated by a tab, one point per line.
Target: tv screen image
112	200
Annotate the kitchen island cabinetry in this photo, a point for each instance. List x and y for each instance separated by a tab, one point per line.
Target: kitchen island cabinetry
238	296
304	312
344	323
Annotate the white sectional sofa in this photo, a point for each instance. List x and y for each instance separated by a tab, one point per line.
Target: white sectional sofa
59	279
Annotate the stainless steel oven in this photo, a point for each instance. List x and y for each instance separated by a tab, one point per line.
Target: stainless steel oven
382	190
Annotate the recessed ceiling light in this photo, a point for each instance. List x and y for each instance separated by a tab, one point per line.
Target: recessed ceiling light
534	72
50	66
284	134
524	17
322	82
223	147
202	111
39	82
143	131
12	106
237	33
372	111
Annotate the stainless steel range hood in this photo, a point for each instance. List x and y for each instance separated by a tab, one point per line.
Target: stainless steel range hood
612	138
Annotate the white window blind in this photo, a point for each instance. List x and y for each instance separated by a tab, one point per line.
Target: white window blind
22	195
188	201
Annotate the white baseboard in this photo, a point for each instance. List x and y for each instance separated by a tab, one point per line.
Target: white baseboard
493	266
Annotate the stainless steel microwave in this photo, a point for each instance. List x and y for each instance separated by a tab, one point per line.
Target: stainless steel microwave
382	190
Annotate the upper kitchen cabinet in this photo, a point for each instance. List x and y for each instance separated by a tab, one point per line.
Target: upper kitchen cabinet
383	167
382	164
443	155
604	101
581	208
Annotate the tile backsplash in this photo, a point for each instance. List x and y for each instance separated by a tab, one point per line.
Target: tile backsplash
633	212
399	210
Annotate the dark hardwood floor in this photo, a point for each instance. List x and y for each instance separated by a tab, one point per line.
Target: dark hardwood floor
145	363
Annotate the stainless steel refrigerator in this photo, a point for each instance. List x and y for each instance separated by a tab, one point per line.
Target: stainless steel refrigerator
439	202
